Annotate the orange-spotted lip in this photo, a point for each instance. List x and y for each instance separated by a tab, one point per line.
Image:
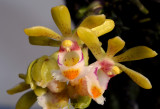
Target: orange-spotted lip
96	92
71	73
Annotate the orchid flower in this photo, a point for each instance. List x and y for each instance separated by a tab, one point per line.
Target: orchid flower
66	75
108	64
71	58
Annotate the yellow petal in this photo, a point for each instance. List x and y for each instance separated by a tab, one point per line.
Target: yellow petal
40	31
93	21
61	17
106	27
92	42
85	54
135	53
114	46
44	41
26	101
136	77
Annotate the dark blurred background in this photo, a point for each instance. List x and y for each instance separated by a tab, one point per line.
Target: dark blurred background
137	22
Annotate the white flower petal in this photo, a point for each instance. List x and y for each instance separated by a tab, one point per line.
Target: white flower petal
103	79
93	86
57	75
53	101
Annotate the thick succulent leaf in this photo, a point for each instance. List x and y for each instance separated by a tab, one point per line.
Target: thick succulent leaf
40	91
135	53
18	88
61	17
85	54
81	102
40	31
44	41
92	42
29	79
136	77
114	46
93	21
104	28
26	101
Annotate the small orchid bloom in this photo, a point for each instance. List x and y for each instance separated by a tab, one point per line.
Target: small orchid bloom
108	64
66	75
71	58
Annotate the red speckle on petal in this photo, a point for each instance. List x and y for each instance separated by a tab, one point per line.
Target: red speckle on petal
106	66
74	47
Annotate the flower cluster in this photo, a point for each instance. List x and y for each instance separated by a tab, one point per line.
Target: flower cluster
66	74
